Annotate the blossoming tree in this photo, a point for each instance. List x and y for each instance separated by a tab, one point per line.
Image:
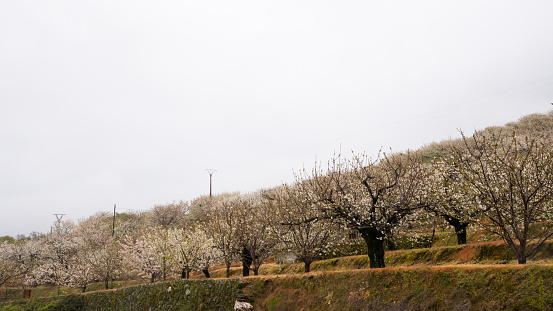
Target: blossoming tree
370	196
510	181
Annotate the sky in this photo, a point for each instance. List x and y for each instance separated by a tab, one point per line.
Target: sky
129	102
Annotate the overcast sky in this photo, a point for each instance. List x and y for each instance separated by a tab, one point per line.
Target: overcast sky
128	102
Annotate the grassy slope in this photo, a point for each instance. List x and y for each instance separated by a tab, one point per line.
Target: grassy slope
482	287
494	252
54	291
439	278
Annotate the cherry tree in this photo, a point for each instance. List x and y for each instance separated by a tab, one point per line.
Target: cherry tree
448	199
222	226
130	223
10	266
139	257
370	196
73	255
159	244
258	230
510	181
98	251
303	231
79	267
198	207
20	259
56	252
168	215
194	250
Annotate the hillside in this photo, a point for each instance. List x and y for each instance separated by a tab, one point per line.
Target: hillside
479	276
416	288
533	125
266	229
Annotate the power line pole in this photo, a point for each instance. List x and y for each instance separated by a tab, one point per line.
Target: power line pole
210	171
58	217
113	230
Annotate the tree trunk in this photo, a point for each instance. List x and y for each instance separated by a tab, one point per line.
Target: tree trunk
522	259
228	270
106	282
460	229
84	288
246	262
375	246
245	269
433	234
255	270
185	273
307	266
164	272
521	256
206	273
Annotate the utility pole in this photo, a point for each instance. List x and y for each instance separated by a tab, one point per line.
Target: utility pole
210	171
58	217
113	230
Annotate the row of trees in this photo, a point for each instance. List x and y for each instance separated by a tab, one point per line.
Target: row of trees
170	239
69	256
501	182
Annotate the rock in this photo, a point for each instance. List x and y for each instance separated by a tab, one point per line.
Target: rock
242	306
241	297
504	262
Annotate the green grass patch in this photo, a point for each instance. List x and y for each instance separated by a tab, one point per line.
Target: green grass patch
435	288
173	295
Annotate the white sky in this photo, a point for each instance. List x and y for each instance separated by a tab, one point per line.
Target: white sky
128	102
